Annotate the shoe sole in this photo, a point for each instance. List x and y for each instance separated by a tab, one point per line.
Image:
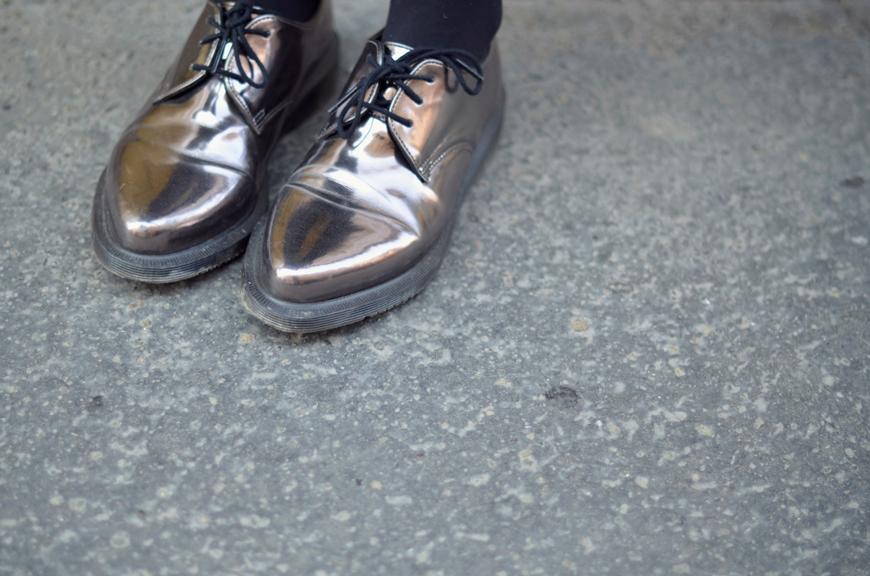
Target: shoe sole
329	314
185	264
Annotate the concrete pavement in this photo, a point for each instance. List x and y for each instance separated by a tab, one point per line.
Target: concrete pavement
646	353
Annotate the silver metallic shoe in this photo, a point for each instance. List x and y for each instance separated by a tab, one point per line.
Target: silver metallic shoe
365	221
187	181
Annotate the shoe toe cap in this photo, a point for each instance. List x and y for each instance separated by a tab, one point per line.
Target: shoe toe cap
317	249
161	202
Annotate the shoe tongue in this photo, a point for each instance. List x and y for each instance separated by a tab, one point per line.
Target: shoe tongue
396	50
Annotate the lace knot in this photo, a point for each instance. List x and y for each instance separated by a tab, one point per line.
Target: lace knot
231	32
352	107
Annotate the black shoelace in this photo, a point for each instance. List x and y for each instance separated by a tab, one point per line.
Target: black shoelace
397	73
231	32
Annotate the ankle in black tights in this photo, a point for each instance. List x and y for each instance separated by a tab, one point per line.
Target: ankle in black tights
297	10
464	24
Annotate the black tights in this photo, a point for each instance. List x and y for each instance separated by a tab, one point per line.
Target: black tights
466	24
299	10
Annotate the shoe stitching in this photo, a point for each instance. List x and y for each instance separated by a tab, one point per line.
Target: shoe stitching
397	73
177	89
257	121
332	122
234	27
336	200
430	164
391	124
188	154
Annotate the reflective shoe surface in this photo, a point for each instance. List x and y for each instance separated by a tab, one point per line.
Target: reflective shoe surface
365	221
187	181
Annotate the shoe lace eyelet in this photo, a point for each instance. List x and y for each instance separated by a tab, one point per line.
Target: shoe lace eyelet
232	29
391	75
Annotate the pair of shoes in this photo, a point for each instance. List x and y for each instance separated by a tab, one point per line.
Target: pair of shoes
361	226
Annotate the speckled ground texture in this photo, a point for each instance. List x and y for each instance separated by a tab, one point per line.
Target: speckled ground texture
646	352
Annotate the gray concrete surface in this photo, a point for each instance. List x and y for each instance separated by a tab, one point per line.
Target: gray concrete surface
646	353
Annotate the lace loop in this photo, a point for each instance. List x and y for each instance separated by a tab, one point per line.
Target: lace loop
232	32
397	73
